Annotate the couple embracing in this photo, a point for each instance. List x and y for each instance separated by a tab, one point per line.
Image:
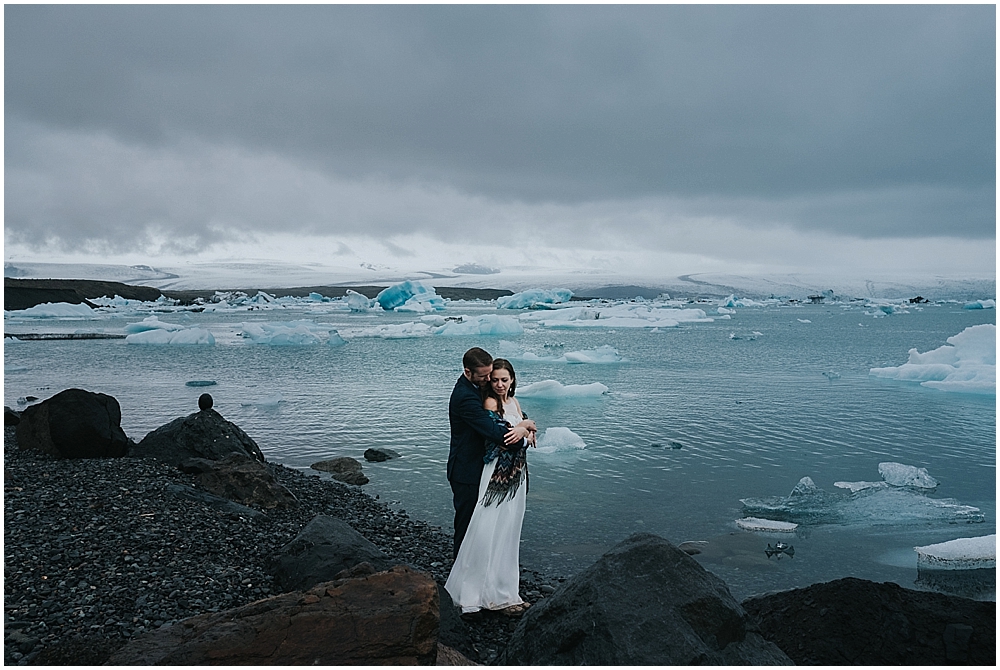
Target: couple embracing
488	473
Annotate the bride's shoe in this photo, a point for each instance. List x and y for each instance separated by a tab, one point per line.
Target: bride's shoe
516	610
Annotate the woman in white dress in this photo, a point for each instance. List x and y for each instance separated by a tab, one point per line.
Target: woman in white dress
486	574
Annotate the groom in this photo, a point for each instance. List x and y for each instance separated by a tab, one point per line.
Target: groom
471	426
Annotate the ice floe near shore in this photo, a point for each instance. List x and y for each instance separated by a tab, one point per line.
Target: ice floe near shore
865	503
752	523
176	337
967	553
550	389
558	438
967	364
290	333
57	310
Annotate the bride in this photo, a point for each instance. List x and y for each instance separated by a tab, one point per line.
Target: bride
486	573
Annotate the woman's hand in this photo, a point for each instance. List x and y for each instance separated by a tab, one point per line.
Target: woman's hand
529	424
516	434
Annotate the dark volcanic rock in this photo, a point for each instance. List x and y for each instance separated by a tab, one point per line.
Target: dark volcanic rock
856	622
344	469
388	618
74	424
380	455
10	417
324	548
240	478
204	434
25	293
229	507
645	602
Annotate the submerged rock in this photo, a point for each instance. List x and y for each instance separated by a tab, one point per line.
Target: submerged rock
74	424
380	455
645	602
343	469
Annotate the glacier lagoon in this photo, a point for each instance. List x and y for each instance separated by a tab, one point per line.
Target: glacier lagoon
664	428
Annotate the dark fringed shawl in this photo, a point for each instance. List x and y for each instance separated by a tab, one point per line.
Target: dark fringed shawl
511	469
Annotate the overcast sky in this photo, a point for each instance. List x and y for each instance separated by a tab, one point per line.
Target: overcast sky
748	136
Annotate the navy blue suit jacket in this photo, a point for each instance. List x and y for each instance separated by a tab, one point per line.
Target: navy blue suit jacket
471	426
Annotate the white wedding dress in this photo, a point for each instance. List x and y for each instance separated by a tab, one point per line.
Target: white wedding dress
486	573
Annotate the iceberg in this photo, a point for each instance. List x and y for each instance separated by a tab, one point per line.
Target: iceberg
152	323
483	325
967	553
967	364
533	298
981	304
57	310
854	487
397	331
862	505
357	302
766	525
164	336
550	389
559	439
412	294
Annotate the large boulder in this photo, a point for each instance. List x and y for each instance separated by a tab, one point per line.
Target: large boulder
324	548
856	622
387	618
645	602
204	434
10	417
74	424
242	479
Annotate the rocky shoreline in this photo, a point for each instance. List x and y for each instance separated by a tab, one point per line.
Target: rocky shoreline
99	551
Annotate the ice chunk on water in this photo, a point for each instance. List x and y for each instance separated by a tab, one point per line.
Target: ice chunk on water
57	310
627	315
767	525
550	389
897	474
357	302
286	333
981	304
854	487
966	364
163	336
967	553
409	292
336	340
559	439
598	355
868	505
534	297
151	323
484	324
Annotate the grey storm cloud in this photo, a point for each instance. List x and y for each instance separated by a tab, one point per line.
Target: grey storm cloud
868	121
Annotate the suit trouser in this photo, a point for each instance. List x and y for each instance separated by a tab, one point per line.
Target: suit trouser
465	498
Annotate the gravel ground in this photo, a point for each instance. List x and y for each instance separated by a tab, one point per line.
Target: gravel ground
97	551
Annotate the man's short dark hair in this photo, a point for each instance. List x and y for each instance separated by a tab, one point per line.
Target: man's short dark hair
476	358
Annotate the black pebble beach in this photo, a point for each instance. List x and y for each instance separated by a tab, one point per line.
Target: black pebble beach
97	551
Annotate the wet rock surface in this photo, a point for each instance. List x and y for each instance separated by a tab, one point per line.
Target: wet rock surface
644	602
100	551
856	622
343	469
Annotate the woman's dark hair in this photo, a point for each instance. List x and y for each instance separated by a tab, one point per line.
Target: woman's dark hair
502	364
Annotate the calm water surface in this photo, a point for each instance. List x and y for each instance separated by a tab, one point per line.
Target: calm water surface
752	414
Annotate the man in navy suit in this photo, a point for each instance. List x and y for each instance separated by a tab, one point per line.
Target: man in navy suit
471	427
